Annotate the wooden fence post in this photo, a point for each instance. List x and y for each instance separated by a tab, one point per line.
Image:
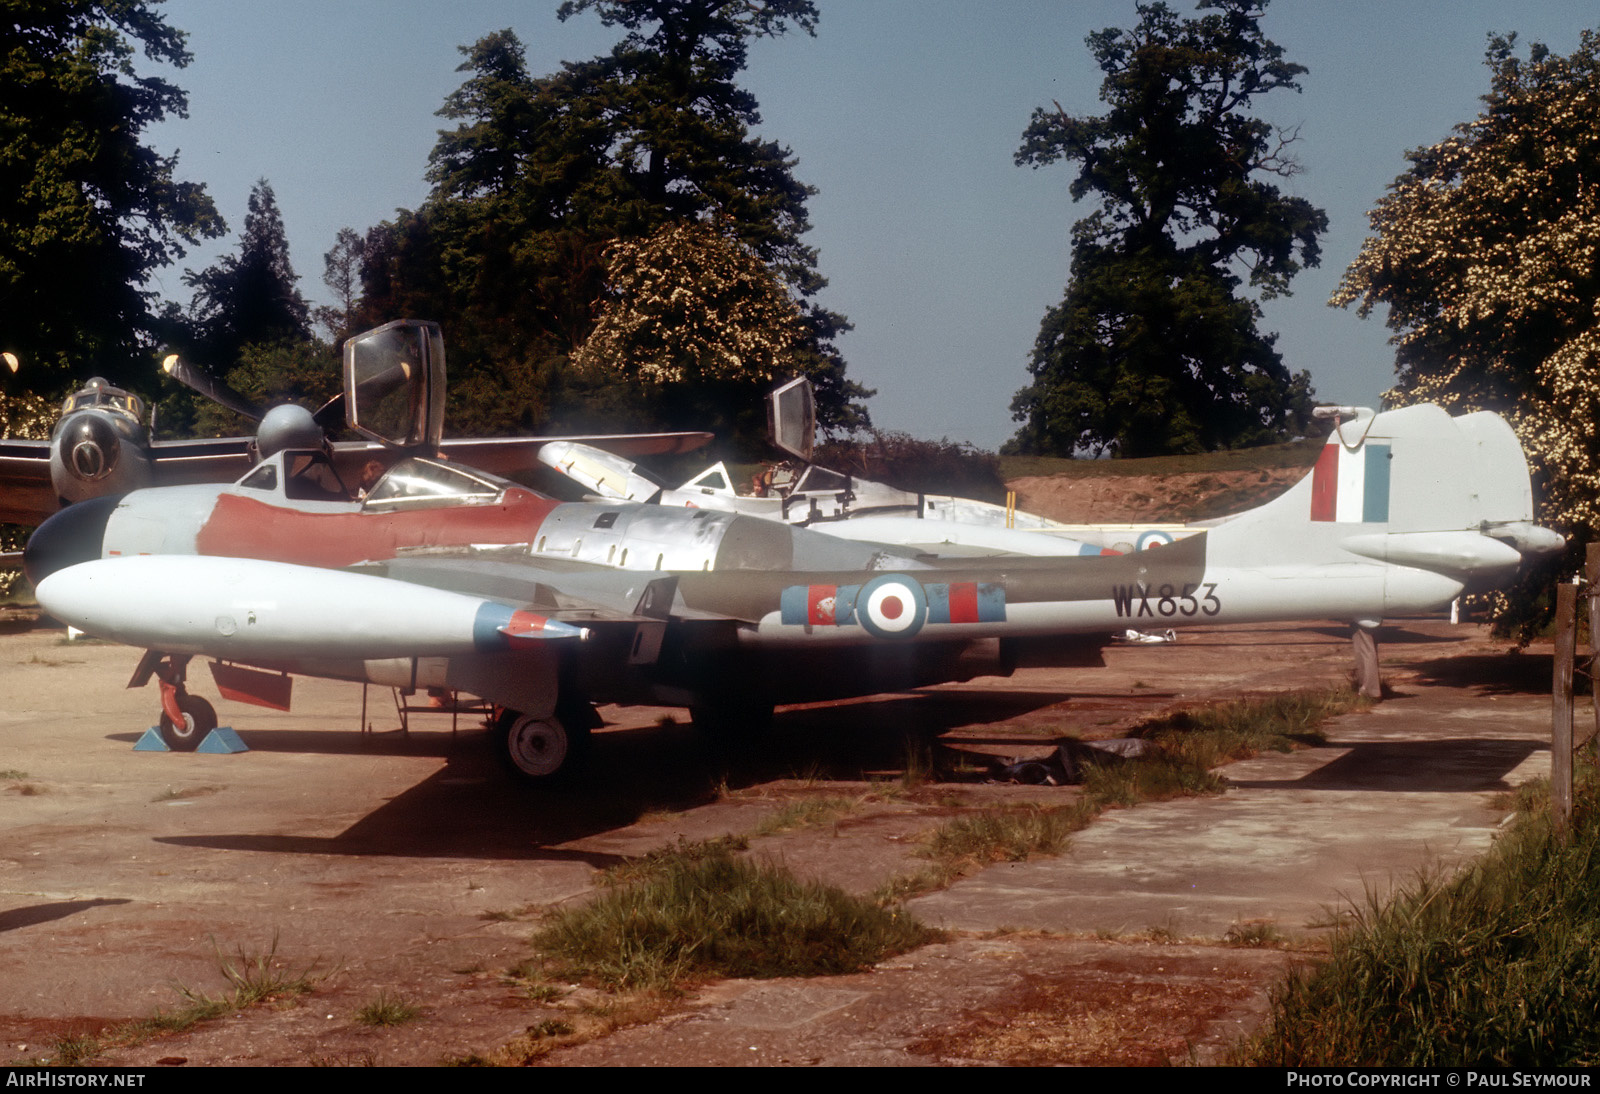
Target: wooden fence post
1561	707
1591	574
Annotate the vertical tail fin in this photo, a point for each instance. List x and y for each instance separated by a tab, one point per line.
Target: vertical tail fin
1412	487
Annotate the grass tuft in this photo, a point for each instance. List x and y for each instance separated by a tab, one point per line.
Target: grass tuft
648	866
701	911
1010	835
73	1051
1256	934
388	1010
253	978
806	813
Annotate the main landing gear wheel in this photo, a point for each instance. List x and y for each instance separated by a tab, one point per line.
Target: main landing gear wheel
199	718
542	750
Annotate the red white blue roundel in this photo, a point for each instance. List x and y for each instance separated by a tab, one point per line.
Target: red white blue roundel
891	606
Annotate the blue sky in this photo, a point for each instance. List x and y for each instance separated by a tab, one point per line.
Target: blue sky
904	114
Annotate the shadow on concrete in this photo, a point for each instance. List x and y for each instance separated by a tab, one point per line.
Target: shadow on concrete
474	808
1450	766
35	914
1492	674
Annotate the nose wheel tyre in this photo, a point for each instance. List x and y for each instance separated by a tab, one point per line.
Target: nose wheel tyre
199	718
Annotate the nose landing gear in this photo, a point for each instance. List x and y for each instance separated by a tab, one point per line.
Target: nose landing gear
185	718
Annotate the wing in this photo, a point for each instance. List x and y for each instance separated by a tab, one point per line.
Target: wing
508	455
215	459
504	455
26	496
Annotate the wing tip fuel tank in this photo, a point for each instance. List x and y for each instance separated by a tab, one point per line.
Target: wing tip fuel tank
240	609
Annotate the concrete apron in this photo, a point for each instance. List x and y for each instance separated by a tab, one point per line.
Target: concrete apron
1408	787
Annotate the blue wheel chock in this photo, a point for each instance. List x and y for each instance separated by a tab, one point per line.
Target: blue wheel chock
222	741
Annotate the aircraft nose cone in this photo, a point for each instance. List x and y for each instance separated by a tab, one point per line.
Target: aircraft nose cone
90	446
74	535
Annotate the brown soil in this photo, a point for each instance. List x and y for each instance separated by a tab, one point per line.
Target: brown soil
1137	499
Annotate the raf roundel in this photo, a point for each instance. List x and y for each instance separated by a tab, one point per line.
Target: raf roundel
891	606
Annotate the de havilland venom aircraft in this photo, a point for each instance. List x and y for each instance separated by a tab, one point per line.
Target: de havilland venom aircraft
441	576
103	444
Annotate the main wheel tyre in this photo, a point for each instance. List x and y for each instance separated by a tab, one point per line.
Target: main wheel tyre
199	718
540	750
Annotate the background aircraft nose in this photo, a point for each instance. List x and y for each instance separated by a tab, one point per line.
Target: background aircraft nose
90	447
74	535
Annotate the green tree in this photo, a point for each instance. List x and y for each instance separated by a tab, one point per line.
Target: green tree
541	175
341	272
249	298
268	373
1486	252
87	211
1155	349
22	415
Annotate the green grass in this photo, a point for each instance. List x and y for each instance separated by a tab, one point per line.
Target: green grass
1499	965
806	813
252	978
648	866
73	1051
263	977
701	911
1258	935
1010	835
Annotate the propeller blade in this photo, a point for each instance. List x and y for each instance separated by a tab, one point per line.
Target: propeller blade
213	389
330	415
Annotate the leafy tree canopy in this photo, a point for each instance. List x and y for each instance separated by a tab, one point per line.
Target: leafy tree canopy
1154	349
87	211
693	316
268	374
1486	252
541	175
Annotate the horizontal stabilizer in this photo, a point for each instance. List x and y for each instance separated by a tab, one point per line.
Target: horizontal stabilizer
1467	555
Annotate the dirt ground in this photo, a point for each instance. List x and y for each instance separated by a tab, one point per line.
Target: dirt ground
407	867
1134	499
